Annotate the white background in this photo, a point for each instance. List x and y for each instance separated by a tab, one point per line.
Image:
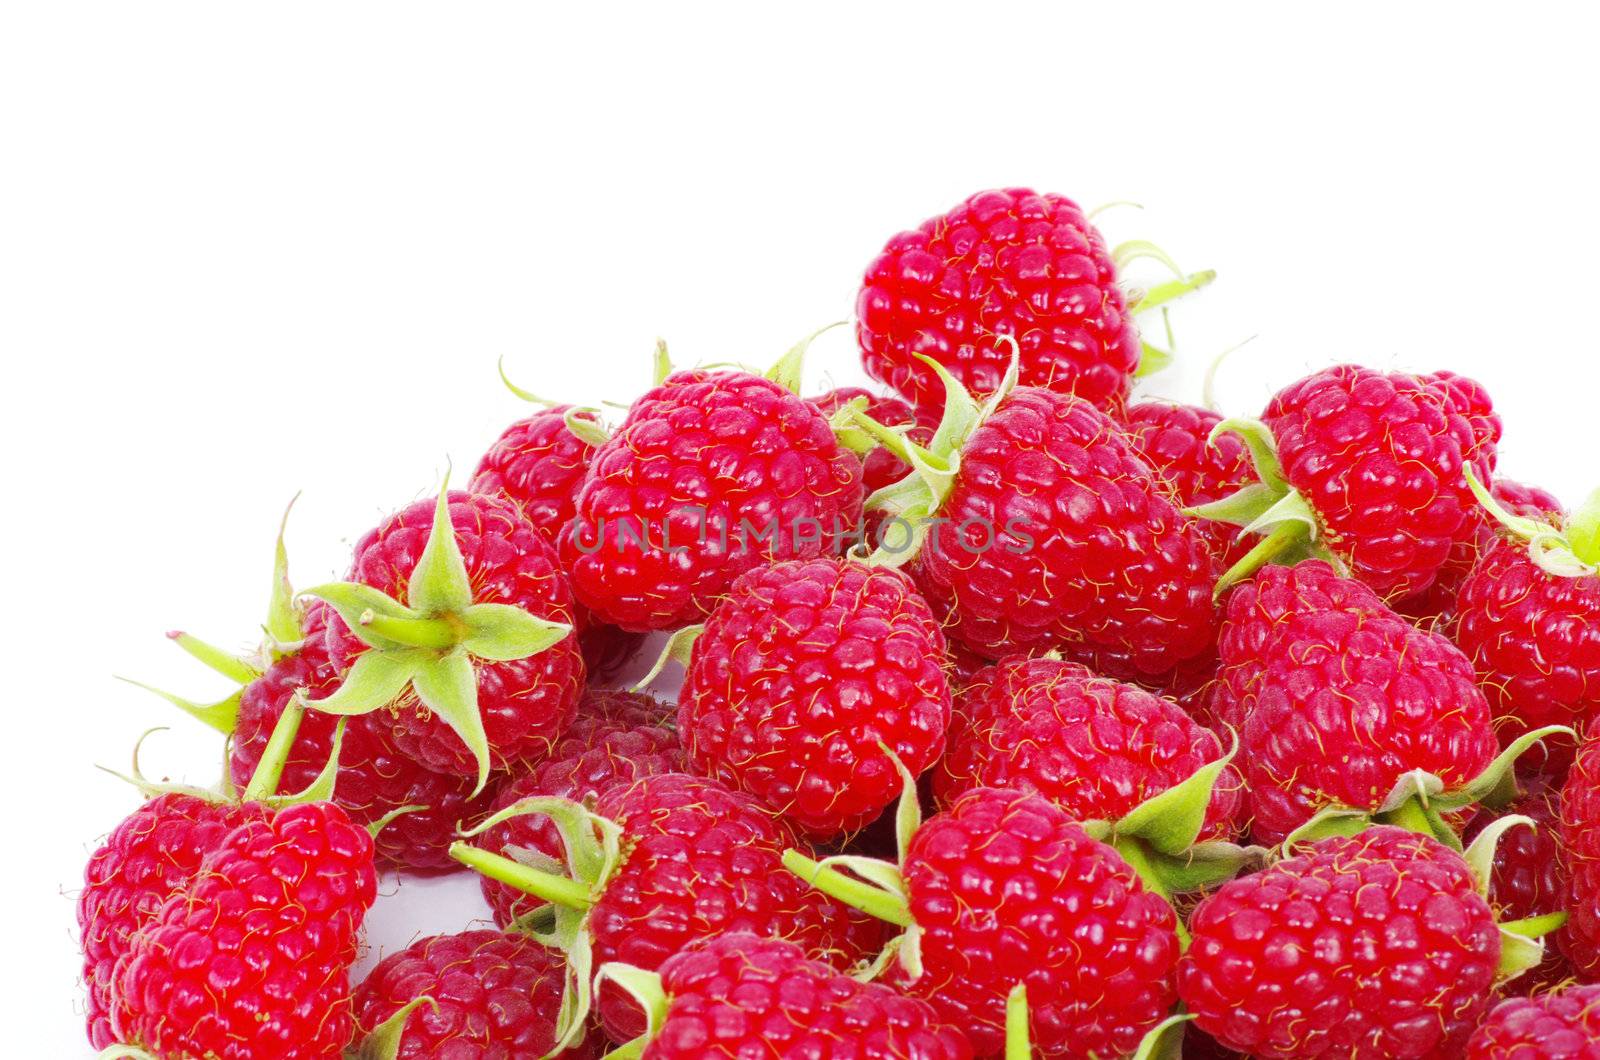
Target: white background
249	250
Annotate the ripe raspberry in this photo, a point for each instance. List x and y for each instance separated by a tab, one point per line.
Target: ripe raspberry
1529	878
152	854
1559	1026
1057	535
740	995
722	471
609	743
537	464
1175	440
374	779
1375	945
1580	836
1335	697
1534	638
1006	889
251	957
1376	461
522	703
1010	262
880	467
803	671
494	994
1095	747
699	861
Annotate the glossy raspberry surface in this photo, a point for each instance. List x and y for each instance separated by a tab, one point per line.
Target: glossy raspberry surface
496	997
1534	639
1175	440
1088	555
538	464
1580	836
741	996
1006	889
1366	947
1558	1026
704	861
722	455
525	703
150	855
804	670
374	777
1380	457
1095	747
1335	697
1008	262
251	957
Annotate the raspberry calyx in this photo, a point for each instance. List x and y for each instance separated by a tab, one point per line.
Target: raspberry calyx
1568	551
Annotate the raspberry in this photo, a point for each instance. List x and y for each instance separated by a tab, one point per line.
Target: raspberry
803	671
880	467
1013	263
1580	835
1371	946
537	464
1095	747
1175	440
1558	1026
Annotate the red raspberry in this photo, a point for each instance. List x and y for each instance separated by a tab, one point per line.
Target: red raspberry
152	854
1005	889
1529	877
724	456
1380	459
1174	439
1095	747
494	994
1560	1026
1059	536
805	668
524	703
880	467
1371	946
596	753
538	464
1534	638
1580	836
1336	697
251	957
740	995
374	779
1009	262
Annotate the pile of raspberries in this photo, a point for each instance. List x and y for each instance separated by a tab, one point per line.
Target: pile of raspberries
1018	717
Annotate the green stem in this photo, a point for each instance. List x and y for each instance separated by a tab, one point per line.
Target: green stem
269	771
438	633
857	894
632	1051
1018	1047
1162	293
1534	927
1285	536
525	878
1133	852
1411	816
891	439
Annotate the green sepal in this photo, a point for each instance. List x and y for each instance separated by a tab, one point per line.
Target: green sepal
1522	944
845	429
376	827
869	897
787	372
1238	509
1497	783
448	686
236	668
525	395
1170	821
386	1038
661	363
439	584
1324	824
1139	859
1158	295
283	625
1556	551
1205	865
1132	250
150	788
502	632
1152	359
223	715
1263	448
646	990
374	680
359	605
583	423
1018	1044
678	649
1480	854
907	807
1164	1041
